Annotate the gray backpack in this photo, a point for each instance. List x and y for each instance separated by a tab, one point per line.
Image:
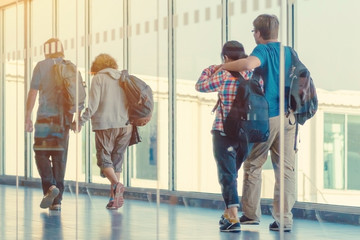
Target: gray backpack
139	97
66	80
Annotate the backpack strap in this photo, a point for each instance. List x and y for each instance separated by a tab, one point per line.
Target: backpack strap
296	135
294	58
216	105
59	83
219	102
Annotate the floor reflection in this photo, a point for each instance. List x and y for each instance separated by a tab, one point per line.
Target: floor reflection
52	227
116	225
85	217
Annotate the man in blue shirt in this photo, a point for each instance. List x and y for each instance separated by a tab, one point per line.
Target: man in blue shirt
265	59
52	125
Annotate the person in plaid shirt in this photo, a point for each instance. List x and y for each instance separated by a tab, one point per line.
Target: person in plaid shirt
229	154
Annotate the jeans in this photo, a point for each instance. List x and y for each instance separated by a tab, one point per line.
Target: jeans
229	155
51	166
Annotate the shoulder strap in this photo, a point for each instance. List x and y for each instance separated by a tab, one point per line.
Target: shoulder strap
294	59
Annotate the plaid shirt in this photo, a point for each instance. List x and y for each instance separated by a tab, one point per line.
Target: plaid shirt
223	83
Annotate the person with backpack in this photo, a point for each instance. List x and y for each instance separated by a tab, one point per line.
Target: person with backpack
228	153
51	127
265	59
108	111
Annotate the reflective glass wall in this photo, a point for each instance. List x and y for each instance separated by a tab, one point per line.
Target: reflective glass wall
329	159
13	90
168	44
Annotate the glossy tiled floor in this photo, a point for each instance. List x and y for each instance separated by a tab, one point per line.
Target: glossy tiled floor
85	217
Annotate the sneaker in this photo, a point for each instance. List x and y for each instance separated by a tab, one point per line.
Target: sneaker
222	220
247	221
49	197
55	207
229	226
111	206
119	195
275	227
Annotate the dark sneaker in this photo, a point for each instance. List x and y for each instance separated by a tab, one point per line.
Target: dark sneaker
222	219
110	205
247	221
275	227
55	207
119	195
229	226
49	197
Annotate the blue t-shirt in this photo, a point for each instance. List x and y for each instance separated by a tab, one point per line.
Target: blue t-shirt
49	96
269	69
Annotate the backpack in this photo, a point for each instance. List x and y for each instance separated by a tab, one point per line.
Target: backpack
139	97
65	76
303	101
248	118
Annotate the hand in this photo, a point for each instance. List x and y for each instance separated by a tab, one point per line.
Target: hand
73	127
29	125
218	68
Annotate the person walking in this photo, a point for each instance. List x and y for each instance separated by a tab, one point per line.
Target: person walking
52	125
108	112
265	59
228	153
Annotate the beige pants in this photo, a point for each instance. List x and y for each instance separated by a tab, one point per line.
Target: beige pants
252	173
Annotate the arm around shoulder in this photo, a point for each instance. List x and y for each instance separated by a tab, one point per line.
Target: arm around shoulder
242	64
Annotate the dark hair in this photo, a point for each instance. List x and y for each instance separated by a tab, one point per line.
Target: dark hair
53	48
103	61
267	25
234	51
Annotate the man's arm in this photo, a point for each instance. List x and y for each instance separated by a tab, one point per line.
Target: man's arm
242	64
30	102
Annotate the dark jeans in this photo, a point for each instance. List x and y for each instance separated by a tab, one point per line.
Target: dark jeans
51	166
229	155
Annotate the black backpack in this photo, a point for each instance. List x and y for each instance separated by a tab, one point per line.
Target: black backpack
303	101
65	77
139	97
248	118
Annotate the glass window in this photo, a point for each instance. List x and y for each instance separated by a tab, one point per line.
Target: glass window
41	32
337	17
353	152
148	60
14	90
106	29
334	151
338	95
198	45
